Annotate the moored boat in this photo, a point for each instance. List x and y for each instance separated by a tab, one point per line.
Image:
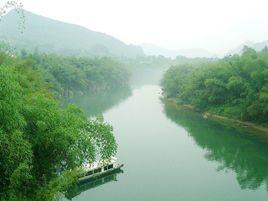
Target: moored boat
100	168
88	184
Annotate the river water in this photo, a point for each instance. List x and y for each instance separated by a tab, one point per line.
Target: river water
171	154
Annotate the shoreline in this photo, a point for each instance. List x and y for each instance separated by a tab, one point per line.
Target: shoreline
252	127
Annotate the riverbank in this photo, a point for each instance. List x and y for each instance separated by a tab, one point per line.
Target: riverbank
248	126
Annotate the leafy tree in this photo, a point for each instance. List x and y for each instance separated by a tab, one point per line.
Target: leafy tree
40	141
70	75
235	86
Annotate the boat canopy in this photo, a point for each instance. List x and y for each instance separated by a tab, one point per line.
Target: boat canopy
99	164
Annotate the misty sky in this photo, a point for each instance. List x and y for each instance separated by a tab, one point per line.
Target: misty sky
215	25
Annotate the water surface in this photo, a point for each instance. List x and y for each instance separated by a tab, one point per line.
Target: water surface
172	154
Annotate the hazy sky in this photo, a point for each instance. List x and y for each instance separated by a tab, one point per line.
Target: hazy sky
215	25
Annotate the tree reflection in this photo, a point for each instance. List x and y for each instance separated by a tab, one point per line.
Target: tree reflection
78	188
244	153
96	104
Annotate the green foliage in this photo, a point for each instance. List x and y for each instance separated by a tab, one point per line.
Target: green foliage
102	136
59	184
234	86
68	75
10	117
40	141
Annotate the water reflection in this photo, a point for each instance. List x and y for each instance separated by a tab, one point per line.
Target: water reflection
243	153
90	184
96	104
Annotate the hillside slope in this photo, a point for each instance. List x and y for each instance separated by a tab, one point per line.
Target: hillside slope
256	46
51	36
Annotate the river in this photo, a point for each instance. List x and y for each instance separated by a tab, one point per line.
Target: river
171	154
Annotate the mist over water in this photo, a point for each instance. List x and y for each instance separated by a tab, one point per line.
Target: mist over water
80	88
96	104
173	154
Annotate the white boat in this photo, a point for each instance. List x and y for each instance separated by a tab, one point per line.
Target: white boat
100	168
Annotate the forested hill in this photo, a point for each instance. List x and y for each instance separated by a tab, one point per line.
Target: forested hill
51	36
71	75
236	86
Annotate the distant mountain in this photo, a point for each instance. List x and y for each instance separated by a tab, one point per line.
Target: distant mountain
48	35
151	49
257	46
261	45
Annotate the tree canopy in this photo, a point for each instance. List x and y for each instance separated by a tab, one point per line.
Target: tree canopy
235	86
72	75
40	140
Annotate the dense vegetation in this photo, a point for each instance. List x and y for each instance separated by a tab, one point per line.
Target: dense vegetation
235	86
70	75
42	144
